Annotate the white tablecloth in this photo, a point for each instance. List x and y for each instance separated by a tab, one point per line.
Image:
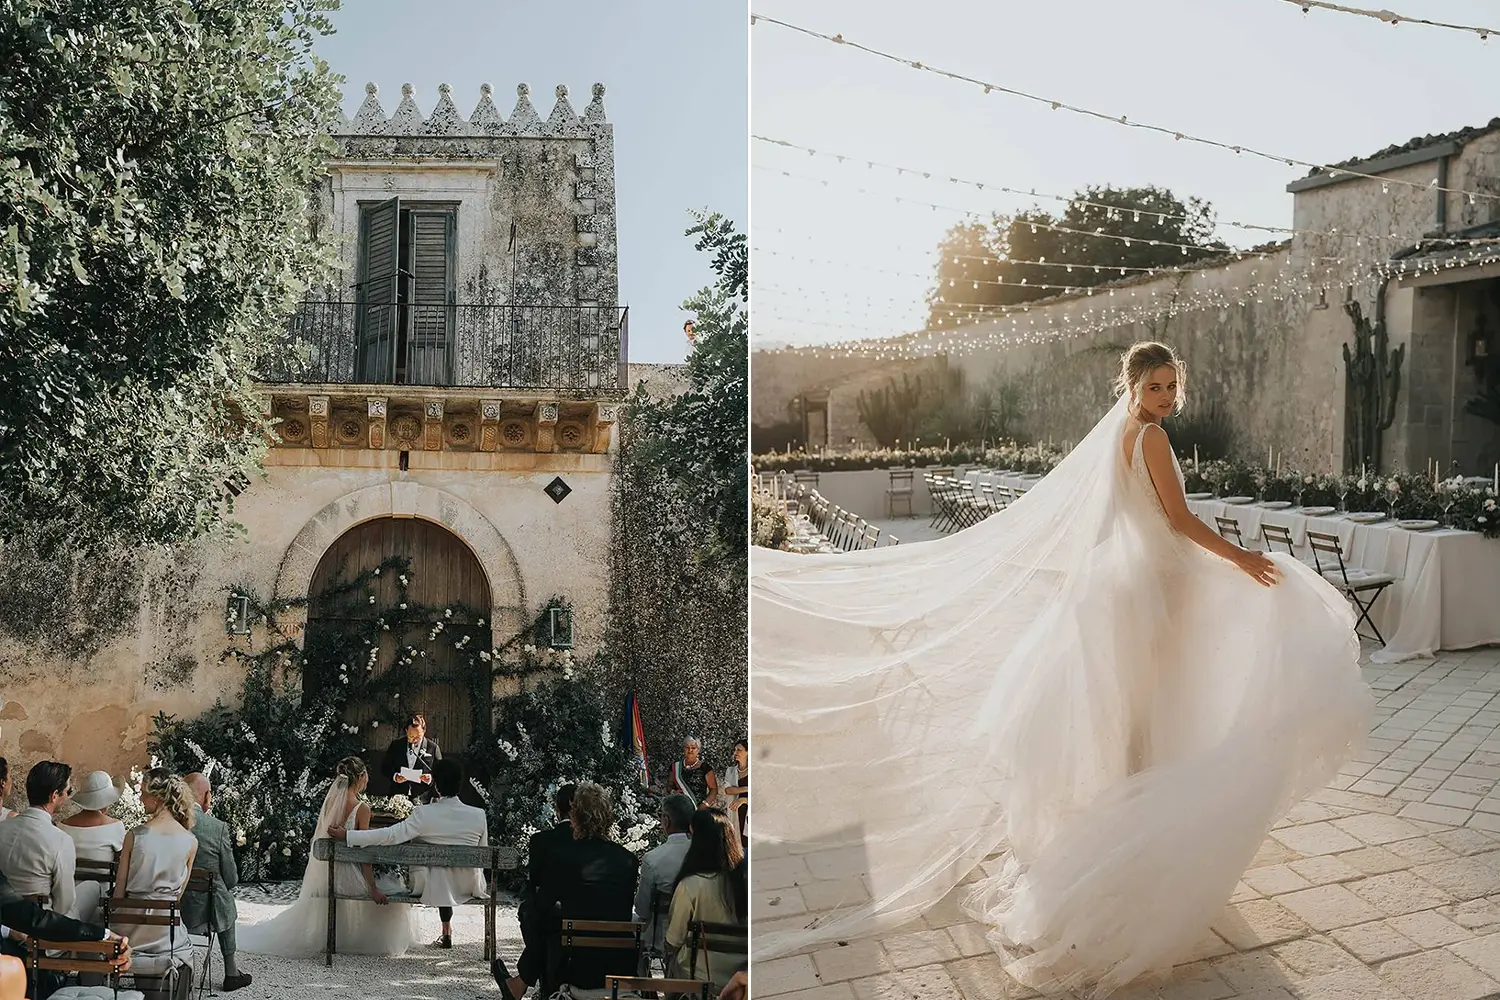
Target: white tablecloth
1447	589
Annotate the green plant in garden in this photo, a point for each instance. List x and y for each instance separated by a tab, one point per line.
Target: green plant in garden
155	160
271	758
891	412
678	559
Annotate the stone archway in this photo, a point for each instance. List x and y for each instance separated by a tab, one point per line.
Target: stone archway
509	609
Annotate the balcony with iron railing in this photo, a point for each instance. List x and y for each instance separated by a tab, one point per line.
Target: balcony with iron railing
578	350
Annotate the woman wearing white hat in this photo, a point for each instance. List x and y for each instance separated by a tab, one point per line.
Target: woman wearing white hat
97	836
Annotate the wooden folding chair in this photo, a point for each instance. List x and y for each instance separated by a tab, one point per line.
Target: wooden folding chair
110	959
707	937
136	911
639	986
594	935
806	477
103	872
899	492
1229	526
661	905
201	880
1355	583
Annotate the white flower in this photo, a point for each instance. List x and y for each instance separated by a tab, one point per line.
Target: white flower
403	607
479	622
484	656
1489	505
1482	519
1307	479
377	570
375	724
1393	486
447	612
372	598
286	852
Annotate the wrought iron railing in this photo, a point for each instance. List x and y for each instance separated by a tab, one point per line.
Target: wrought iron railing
559	348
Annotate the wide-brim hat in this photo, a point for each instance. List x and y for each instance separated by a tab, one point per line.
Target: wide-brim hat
96	791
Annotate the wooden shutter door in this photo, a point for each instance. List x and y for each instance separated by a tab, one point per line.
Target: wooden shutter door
430	343
376	310
455	696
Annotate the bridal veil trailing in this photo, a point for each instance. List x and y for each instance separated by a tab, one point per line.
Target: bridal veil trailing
1115	712
365	927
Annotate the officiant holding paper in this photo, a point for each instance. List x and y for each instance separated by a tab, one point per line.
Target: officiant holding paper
409	760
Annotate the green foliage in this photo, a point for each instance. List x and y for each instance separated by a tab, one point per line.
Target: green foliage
891	412
304	708
1206	427
679	504
154	164
978	270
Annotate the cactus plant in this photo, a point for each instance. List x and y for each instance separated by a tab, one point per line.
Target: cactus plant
1372	377
891	412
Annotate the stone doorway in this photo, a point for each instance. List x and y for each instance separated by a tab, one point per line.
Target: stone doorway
444	573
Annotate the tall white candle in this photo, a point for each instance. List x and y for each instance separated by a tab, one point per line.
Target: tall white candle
1269	452
1195	458
1278	466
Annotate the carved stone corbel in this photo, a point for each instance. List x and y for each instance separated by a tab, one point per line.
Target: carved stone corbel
432	425
546	427
376	409
489	425
317	418
601	423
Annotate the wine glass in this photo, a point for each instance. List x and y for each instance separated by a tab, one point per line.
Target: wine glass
1343	495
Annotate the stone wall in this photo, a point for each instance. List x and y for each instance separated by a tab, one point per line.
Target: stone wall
94	708
1262	335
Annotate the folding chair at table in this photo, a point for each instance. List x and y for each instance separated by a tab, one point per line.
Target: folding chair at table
872	537
1276	534
1229	526
806	477
108	959
1360	586
900	491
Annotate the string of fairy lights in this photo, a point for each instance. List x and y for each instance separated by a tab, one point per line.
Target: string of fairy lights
1135	295
1180	135
1389	17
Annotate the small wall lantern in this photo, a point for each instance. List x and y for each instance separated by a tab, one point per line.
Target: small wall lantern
237	615
560	627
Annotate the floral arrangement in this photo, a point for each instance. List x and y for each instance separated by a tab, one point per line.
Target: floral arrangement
770	526
398	806
272	756
1007	455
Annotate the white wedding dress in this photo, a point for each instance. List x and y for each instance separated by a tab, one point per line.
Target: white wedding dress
364	926
1117	713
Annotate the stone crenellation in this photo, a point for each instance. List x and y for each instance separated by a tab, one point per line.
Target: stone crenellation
445	120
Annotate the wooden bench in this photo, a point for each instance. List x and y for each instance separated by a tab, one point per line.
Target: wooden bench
492	860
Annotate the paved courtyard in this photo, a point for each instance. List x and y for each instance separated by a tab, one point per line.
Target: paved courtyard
1383	886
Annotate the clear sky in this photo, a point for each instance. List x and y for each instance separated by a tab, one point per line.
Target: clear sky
675	73
1320	87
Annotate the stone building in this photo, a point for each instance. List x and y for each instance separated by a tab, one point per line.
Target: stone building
452	399
1264	332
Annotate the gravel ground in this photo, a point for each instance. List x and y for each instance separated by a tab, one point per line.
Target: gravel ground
421	974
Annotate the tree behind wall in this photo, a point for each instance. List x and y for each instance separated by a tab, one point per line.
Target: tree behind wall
983	267
680	505
154	164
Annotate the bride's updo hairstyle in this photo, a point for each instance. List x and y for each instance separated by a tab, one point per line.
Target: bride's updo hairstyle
350	767
1140	361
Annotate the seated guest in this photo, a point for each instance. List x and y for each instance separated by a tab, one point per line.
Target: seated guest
735	794
35	856
97	836
535	922
660	867
712	887
591	878
22	918
693	776
154	864
445	820
5	813
216	854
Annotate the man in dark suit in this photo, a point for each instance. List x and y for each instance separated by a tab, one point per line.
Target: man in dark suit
21	919
588	878
537	919
414	752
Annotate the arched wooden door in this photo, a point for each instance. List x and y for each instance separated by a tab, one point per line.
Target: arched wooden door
443	685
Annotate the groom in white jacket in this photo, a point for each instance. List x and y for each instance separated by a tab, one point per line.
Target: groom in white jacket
445	820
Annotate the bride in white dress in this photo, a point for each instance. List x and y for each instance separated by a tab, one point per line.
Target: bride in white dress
366	926
1090	683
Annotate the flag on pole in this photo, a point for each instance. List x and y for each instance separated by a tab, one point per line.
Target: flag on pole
633	737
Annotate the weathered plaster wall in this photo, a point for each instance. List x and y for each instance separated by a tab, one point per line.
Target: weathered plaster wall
95	710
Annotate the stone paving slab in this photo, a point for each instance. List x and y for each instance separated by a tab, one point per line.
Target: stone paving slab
1383	886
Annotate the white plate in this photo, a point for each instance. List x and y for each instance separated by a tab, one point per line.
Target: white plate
1366	517
1317	511
1417	525
1200	496
1276	504
1238	500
